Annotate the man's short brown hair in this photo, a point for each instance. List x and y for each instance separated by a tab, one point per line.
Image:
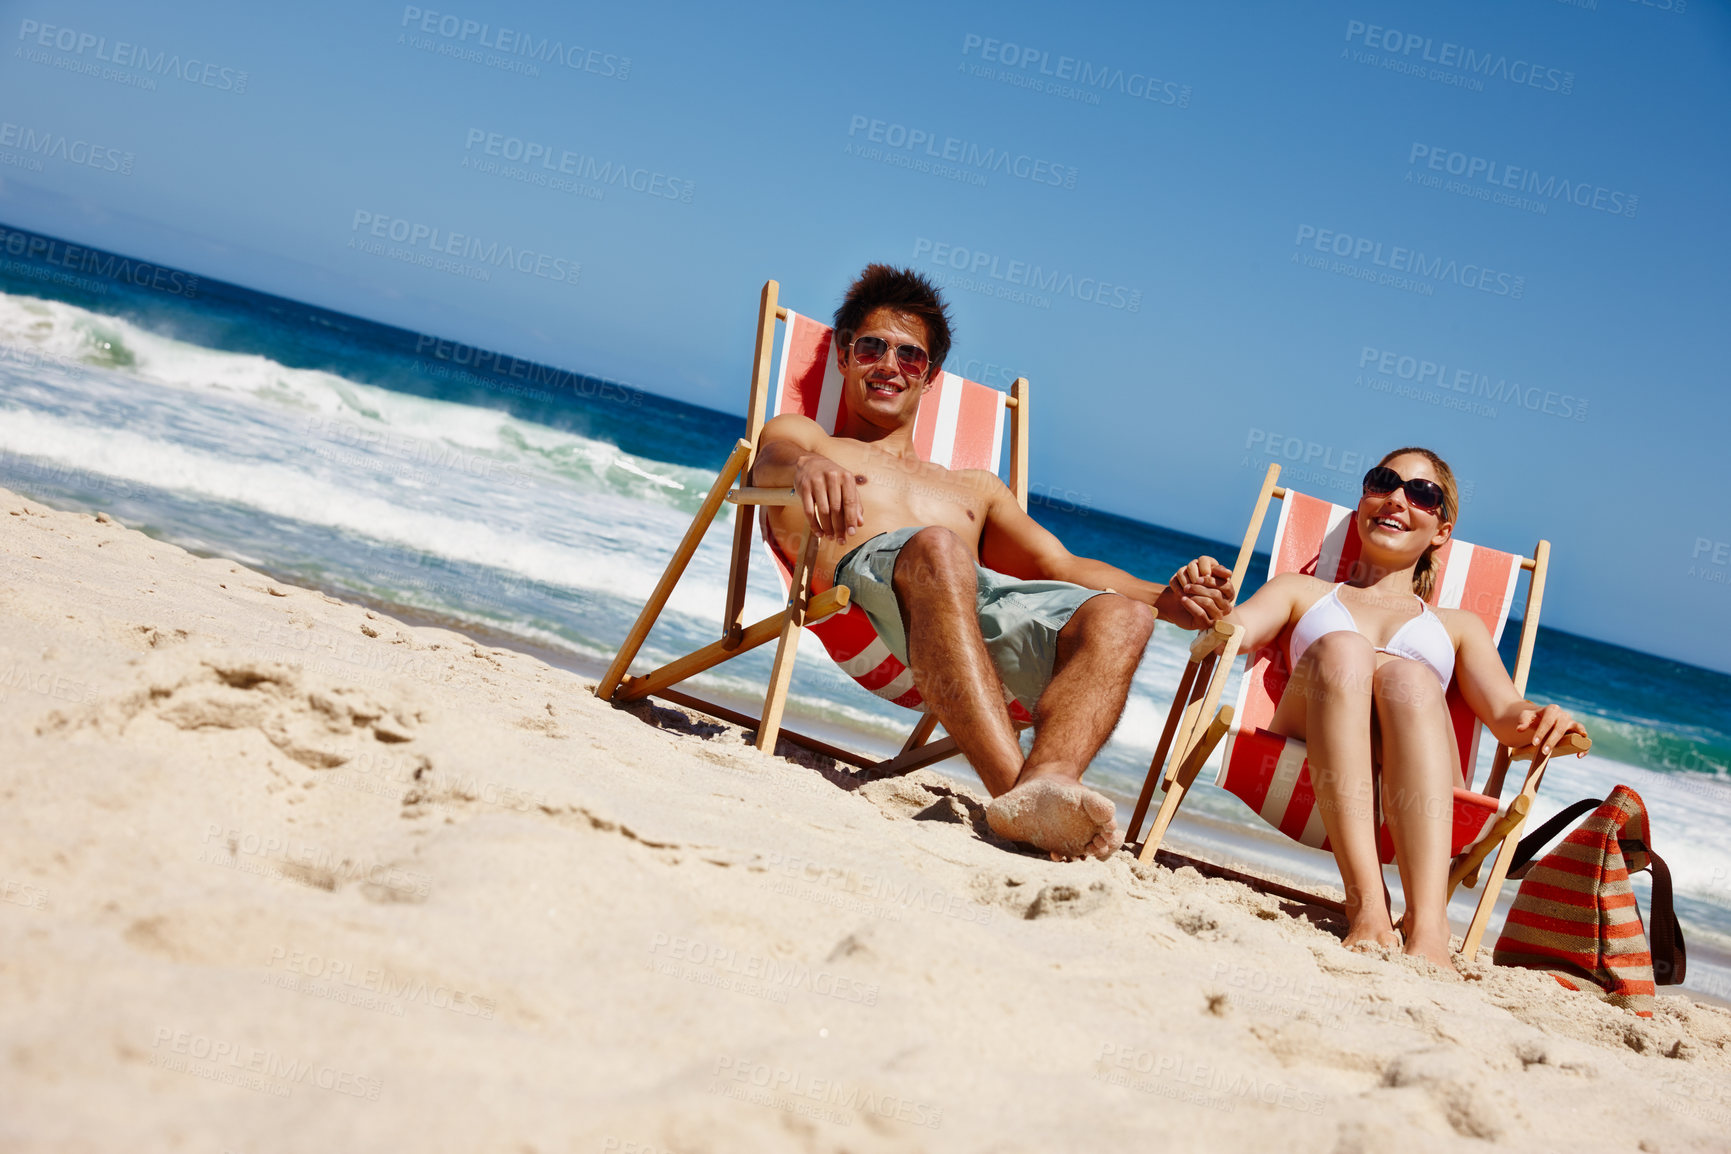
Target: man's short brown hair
901	290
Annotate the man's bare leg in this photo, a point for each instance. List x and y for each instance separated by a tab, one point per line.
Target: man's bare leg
935	583
1098	650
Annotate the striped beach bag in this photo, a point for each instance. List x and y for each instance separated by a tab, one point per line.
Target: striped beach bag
1575	915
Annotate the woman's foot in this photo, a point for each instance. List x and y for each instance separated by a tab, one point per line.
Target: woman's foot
1370	935
1431	943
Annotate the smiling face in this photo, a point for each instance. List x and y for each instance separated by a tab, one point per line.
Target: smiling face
884	394
1390	523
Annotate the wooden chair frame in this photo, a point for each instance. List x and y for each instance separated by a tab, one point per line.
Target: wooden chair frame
802	609
1190	742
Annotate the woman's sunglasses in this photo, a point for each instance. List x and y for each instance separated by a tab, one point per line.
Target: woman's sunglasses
1426	495
871	350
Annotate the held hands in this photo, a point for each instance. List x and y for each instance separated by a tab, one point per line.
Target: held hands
1547	726
830	495
1204	590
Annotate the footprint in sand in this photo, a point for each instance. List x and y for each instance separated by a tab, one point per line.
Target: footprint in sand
1069	901
1060	816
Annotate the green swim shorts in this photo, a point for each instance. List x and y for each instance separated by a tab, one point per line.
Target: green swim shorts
1019	619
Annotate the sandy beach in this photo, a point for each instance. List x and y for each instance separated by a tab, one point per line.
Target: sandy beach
282	873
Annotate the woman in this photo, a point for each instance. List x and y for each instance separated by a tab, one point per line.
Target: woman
1370	664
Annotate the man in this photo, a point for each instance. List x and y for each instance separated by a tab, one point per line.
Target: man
961	584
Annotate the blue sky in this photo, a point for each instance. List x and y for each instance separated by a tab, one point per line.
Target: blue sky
1324	230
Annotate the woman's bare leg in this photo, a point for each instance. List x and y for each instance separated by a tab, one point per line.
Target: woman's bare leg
1327	703
1418	778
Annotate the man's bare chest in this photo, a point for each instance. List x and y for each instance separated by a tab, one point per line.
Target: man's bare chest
920	492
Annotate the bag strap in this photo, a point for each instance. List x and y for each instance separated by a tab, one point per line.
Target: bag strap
1664	931
1536	841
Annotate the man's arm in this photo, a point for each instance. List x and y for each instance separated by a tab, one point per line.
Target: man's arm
790	455
1016	544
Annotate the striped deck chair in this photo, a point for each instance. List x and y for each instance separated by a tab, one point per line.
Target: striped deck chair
1270	773
960	425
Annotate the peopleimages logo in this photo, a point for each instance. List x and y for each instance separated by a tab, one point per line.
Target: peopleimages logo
1401	46
1025	275
459	32
1070	70
554	162
1471	383
59	146
134	56
1411	262
954	150
472	361
440	242
95	262
1496	175
853	1100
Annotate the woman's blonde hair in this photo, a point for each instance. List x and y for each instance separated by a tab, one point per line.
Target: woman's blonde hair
1424	573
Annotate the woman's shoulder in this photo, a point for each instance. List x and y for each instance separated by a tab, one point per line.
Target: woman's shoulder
1300	583
1300	590
1461	623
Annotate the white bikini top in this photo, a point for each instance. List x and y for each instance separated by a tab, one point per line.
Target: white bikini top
1423	638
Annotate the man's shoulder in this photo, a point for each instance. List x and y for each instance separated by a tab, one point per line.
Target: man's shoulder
982	480
791	421
794	427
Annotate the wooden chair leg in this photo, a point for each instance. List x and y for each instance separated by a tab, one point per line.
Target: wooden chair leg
1188	733
1466	868
1183	780
781	673
918	757
1180	701
922	733
733	611
675	569
1493	887
1516	820
1216	669
634	688
1188	730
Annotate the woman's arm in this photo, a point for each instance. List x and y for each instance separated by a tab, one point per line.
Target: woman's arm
1485	685
1270	609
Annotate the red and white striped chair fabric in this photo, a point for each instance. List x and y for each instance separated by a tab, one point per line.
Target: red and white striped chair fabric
960	426
1268	772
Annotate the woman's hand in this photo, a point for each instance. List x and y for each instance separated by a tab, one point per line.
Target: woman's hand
1546	726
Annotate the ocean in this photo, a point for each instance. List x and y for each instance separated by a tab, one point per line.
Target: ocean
537	506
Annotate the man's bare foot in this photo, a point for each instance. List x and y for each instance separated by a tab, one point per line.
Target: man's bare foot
1058	815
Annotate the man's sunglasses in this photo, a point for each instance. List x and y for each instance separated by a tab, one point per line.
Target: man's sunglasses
871	350
1426	495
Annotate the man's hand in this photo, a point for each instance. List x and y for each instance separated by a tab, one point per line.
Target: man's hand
1202	590
830	495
